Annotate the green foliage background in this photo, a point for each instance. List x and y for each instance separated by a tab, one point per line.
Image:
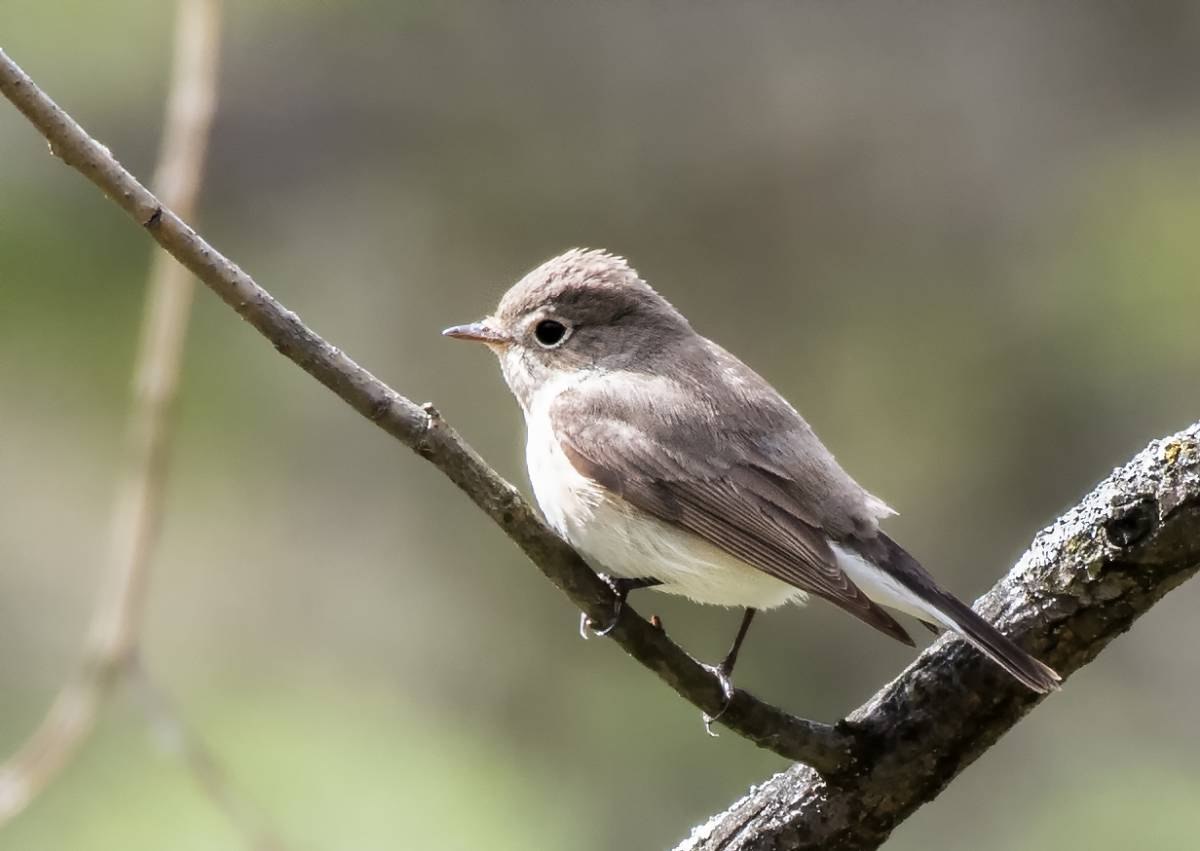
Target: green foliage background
961	239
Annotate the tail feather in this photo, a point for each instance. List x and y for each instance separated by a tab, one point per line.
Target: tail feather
899	581
998	647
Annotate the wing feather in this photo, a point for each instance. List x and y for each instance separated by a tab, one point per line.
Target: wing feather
712	487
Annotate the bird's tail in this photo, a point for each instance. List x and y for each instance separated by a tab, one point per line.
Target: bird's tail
915	591
958	617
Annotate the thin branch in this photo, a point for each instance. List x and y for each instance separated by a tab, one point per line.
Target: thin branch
139	506
111	643
423	430
1082	583
1077	589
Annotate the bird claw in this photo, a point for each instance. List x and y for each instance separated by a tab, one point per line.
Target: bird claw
587	629
718	671
611	624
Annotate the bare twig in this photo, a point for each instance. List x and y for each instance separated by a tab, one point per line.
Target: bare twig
139	506
110	648
1064	602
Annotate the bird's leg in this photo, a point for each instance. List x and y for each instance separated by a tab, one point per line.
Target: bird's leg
726	666
621	586
724	671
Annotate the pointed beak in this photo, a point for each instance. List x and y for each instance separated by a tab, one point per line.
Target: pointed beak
478	332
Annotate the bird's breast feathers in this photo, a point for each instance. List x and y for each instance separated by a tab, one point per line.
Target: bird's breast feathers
568	499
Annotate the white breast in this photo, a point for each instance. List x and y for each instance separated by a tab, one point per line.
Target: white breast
567	499
620	540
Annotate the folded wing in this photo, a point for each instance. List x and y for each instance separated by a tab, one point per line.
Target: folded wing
712	479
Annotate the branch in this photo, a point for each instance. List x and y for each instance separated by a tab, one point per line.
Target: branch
110	648
423	430
1082	583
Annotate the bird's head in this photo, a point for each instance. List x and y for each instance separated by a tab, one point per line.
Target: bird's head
581	311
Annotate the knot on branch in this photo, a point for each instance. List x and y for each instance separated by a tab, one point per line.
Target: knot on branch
1131	522
433	422
155	218
380	408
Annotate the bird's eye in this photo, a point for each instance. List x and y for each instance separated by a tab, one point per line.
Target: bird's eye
549	333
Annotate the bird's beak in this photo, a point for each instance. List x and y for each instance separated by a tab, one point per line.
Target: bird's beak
479	332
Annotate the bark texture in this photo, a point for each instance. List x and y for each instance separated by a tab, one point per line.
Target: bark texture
1083	582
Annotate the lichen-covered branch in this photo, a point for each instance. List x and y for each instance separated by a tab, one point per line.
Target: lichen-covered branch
1082	583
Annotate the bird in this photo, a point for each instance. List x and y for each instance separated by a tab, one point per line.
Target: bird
668	463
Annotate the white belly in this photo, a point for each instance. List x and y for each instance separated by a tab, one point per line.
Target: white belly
621	541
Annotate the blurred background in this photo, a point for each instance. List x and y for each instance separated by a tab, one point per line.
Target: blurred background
963	241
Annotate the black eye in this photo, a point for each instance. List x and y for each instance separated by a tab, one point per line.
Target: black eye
550	333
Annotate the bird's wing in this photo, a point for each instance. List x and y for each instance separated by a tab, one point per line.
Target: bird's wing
705	478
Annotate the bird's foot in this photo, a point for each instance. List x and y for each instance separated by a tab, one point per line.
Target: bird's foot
587	628
722	675
621	586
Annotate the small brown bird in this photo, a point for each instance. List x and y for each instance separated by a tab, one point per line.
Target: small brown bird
668	463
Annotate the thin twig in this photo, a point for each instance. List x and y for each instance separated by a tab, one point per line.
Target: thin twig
139	505
111	643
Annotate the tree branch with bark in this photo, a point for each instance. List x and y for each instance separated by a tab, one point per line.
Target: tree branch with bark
1084	581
